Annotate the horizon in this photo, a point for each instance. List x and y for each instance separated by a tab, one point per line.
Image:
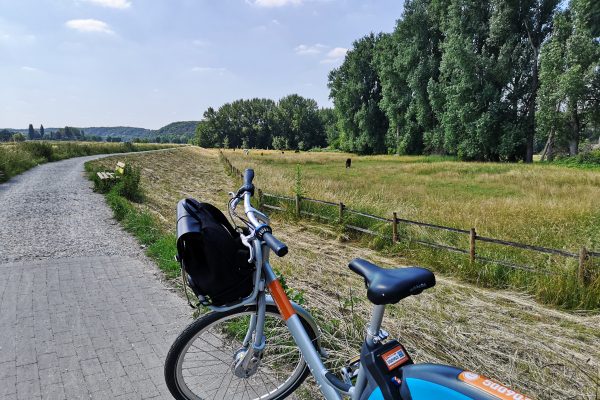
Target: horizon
107	63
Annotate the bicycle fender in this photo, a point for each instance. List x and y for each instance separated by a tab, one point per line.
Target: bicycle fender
304	315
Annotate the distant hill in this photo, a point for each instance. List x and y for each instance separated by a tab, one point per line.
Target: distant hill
187	128
125	132
179	130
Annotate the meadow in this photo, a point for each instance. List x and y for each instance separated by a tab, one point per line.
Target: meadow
16	158
536	204
543	352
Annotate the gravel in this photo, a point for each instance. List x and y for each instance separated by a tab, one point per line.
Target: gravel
51	212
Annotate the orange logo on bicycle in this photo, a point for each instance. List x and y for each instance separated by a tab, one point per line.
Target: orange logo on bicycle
491	387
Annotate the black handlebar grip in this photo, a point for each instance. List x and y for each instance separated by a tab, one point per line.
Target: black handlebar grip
278	247
248	177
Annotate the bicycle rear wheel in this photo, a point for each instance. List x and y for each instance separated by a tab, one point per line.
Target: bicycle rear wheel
199	363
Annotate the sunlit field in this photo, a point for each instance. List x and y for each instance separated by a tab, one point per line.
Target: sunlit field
537	204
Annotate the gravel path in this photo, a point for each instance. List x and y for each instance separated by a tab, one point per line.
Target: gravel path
83	313
50	212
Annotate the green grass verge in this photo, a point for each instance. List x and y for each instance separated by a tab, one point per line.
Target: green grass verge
16	158
160	245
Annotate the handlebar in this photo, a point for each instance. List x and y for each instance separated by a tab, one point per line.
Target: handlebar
275	244
248	177
247	187
247	190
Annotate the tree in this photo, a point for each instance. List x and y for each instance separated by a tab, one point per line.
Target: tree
355	89
31	133
298	121
570	76
5	135
330	127
18	137
254	123
466	99
408	62
42	133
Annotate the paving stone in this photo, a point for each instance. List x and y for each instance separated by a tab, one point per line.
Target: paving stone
53	392
78	350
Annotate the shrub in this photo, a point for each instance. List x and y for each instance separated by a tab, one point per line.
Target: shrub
129	186
13	161
129	147
119	205
39	150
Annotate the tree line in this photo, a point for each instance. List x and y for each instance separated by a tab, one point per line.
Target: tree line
294	122
479	79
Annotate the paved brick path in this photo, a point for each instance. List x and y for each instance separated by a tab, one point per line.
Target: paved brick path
96	327
77	322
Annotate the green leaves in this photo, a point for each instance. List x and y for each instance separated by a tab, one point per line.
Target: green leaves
293	122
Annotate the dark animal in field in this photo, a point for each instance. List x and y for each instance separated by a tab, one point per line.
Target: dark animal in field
283	152
348	163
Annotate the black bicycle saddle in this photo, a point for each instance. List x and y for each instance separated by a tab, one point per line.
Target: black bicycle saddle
389	286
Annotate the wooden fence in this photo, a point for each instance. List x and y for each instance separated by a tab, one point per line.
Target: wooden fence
584	256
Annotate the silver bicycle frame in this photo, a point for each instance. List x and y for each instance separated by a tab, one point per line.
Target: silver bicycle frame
311	352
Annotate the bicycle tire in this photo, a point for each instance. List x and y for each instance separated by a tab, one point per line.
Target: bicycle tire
173	376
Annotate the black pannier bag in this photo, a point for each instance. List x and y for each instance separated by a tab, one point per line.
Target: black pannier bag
212	255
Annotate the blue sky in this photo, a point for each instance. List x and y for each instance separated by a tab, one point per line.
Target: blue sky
150	62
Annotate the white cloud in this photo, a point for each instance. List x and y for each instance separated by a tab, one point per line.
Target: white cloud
305	50
120	4
336	54
89	25
28	69
274	3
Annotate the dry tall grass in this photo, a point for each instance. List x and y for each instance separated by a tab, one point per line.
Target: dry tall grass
547	353
536	204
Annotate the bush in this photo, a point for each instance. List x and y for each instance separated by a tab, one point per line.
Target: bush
584	159
129	147
13	161
119	205
39	150
129	186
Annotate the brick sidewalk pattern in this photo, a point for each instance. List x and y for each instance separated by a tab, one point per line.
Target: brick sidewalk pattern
85	328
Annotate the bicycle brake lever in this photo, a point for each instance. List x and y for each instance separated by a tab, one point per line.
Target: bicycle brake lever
246	242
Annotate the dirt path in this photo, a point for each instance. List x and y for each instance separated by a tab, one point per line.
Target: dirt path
83	313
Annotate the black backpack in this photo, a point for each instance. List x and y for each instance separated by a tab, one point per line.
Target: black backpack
212	255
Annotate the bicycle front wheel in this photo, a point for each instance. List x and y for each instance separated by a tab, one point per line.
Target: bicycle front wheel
199	363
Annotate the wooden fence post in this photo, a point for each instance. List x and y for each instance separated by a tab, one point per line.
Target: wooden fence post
583	272
472	237
297	205
395	228
341	212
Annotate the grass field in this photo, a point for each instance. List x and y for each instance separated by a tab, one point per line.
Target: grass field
546	353
539	204
16	158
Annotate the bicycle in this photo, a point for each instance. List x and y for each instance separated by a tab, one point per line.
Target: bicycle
264	346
